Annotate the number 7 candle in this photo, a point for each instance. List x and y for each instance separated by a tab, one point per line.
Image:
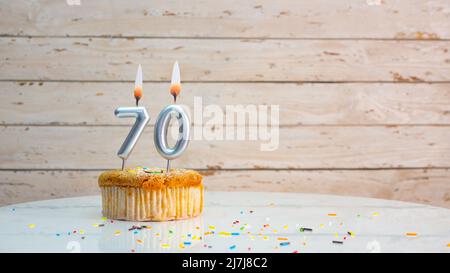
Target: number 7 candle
142	119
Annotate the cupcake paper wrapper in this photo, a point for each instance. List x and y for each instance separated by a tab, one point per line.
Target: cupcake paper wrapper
141	204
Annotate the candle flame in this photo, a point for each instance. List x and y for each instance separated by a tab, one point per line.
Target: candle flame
138	85
175	83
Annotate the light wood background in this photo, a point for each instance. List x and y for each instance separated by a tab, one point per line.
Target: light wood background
363	88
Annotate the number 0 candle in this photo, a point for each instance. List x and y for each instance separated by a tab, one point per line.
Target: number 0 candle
163	121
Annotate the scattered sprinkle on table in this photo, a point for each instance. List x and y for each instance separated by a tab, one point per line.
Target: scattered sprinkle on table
302	229
285	243
117	233
411	234
338	242
332	214
31	226
232	247
282	239
165	246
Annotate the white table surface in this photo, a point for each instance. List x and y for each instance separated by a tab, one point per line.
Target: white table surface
266	222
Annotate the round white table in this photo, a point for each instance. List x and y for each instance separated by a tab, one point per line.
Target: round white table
232	222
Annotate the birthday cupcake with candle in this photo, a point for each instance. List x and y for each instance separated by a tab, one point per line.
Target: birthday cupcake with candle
153	194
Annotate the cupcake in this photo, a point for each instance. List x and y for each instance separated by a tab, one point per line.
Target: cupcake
144	194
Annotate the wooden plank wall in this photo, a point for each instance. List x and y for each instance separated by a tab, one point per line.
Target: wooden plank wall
363	88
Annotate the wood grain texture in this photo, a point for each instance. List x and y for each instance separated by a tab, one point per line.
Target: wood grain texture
75	103
299	147
399	19
363	88
422	186
101	59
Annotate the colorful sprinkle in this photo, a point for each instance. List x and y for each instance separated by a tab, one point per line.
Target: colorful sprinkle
411	234
165	246
212	227
139	241
285	243
338	242
117	232
332	214
282	239
303	229
32	226
232	247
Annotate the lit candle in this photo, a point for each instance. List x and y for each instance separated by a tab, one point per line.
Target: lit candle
163	121
142	119
138	85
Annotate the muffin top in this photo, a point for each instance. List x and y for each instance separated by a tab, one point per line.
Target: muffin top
150	178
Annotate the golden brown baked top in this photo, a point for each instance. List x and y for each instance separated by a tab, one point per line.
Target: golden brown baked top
150	178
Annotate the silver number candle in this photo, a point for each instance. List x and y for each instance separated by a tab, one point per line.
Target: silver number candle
161	128
142	119
163	121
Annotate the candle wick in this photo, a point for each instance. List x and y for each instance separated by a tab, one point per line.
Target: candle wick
174	98
137	102
123	164
168	166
